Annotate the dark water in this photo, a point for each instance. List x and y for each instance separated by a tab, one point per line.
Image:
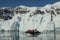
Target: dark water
21	36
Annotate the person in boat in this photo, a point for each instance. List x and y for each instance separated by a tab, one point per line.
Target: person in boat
33	32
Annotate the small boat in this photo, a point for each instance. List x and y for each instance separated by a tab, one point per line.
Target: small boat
34	33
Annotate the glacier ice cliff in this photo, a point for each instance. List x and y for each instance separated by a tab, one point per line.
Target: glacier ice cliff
24	17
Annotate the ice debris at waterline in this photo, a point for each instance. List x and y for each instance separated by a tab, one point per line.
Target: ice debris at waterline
24	17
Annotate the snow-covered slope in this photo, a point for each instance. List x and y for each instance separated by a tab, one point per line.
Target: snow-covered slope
40	18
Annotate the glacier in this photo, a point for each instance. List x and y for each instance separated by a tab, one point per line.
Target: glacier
15	21
24	17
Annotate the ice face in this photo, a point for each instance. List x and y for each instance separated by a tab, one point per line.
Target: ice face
25	18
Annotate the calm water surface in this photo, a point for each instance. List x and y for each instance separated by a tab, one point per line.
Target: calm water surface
21	36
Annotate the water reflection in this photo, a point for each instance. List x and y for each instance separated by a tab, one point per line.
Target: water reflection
16	35
12	35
